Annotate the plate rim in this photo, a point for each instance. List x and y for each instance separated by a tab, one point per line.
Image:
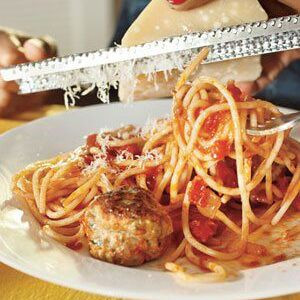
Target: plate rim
102	290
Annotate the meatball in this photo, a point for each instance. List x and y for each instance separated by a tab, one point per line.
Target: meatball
127	227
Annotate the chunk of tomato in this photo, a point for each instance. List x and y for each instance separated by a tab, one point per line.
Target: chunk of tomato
220	149
151	176
202	228
199	193
91	140
212	122
227	174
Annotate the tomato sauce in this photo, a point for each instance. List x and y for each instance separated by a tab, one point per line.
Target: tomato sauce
132	148
220	149
111	152
203	259
130	181
226	171
198	110
151	175
250	261
279	258
165	199
202	228
175	215
256	249
199	193
283	183
296	203
88	159
259	196
91	140
235	92
211	123
256	161
75	246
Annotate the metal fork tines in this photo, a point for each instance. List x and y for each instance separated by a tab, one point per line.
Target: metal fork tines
275	125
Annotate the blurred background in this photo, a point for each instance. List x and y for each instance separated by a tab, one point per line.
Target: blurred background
76	26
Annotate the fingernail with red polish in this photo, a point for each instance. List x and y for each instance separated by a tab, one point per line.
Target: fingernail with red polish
176	2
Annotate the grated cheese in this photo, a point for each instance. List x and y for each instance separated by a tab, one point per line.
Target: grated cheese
153	126
105	136
123	156
152	155
103	141
99	161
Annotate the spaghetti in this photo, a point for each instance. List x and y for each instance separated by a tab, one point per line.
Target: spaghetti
200	164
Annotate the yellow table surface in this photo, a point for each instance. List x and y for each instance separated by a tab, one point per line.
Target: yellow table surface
15	285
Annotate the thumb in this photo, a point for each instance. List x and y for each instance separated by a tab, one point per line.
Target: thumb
36	49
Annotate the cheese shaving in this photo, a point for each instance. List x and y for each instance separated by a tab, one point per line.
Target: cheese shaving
103	141
152	155
81	82
99	161
123	156
153	126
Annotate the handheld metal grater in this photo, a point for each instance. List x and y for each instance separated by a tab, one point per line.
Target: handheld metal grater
107	67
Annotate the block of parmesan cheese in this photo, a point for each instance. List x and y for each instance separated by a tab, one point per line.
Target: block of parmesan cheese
159	20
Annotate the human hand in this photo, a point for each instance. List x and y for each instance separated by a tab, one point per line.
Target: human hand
14	50
272	64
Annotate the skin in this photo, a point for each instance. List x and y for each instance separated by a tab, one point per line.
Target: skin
272	64
32	50
292	3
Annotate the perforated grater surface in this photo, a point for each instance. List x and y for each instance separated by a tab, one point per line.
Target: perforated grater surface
107	67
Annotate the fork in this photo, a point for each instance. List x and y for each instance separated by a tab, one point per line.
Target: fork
275	125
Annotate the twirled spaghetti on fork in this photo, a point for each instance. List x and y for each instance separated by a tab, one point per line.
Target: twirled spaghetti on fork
213	179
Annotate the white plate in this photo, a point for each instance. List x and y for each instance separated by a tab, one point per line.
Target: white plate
23	248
